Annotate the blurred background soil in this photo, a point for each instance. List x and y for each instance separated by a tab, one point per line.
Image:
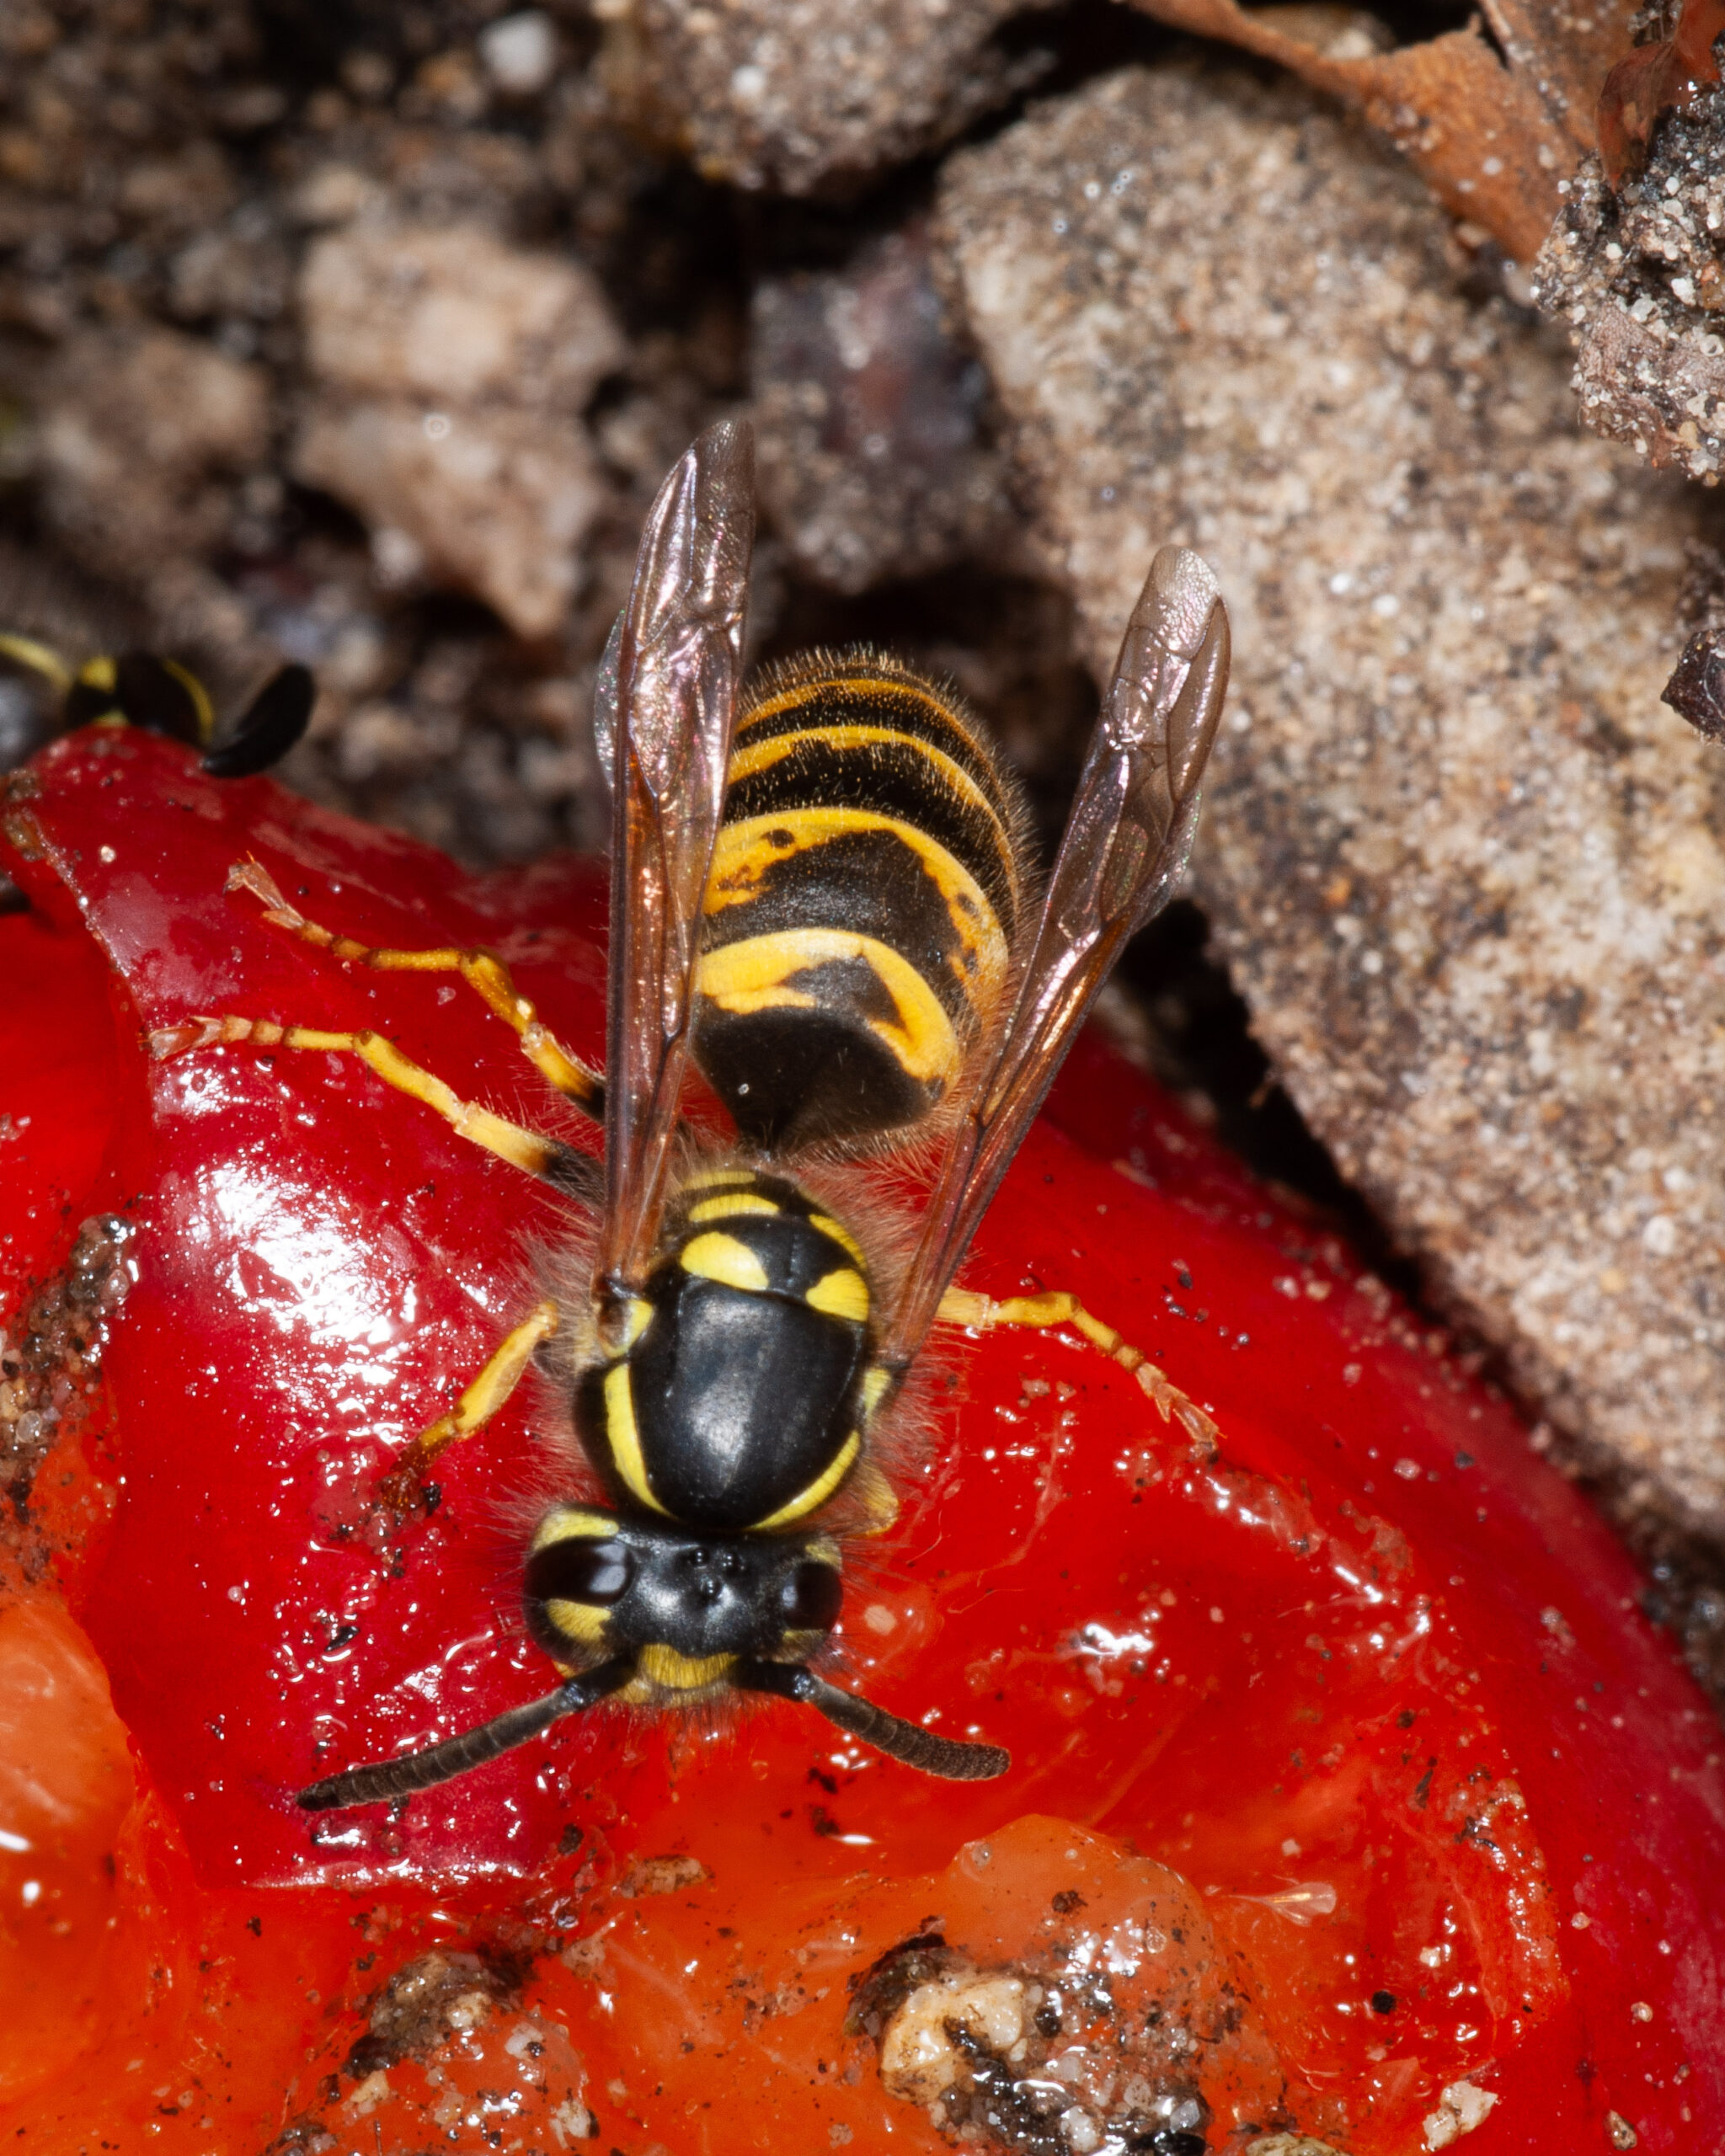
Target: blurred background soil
360	334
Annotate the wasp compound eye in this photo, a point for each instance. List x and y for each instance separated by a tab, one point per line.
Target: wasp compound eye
578	1569
810	1599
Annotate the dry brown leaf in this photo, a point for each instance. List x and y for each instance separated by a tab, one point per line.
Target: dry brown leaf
1492	139
1653	79
1565	53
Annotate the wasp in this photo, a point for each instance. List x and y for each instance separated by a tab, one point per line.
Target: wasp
137	688
818	899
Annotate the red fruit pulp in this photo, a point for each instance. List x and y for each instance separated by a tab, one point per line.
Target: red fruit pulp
1364	1692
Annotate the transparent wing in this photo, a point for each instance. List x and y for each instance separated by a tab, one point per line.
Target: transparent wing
605	701
671	692
1126	842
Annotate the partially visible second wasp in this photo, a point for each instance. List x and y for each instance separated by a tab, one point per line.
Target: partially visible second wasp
823	903
136	688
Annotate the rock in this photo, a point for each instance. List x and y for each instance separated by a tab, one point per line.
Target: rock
870	452
497	502
452	369
1461	2109
1697	689
520	52
1463	862
178	194
453	317
1638	278
807	96
239	271
159	169
336	194
141	431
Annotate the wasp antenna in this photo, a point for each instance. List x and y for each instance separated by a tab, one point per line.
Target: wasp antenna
271	724
903	1741
391	1779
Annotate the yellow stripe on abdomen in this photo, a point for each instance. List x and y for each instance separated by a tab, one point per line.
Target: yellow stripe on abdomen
820	682
755	975
749	850
749	760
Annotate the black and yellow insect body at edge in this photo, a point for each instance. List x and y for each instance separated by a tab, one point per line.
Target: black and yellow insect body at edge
817	895
138	689
159	696
865	894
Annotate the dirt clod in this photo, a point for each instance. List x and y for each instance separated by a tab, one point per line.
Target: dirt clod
1462	860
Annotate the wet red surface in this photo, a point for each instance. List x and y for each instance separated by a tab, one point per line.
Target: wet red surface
1370	1680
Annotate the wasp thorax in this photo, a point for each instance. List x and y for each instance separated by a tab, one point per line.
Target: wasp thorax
741	1395
688	1604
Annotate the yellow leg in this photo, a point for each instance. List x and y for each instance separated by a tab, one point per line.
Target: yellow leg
982	1314
521	1148
487	976
401	1489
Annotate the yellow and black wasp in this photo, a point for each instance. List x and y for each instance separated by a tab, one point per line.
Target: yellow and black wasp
820	900
137	688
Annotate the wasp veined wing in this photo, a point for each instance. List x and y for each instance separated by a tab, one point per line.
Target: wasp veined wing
1126	843
678	662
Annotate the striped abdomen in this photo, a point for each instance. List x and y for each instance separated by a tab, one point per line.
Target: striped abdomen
864	896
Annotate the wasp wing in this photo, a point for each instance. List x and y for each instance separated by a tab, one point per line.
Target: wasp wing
672	691
1126	843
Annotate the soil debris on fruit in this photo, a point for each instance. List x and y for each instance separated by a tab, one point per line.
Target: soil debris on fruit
430	1999
51	1355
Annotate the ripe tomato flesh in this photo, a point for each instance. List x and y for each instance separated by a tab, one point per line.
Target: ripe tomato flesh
1364	1682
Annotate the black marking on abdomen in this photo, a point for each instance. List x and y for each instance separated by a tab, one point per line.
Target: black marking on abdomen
895	778
871	881
793	1077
